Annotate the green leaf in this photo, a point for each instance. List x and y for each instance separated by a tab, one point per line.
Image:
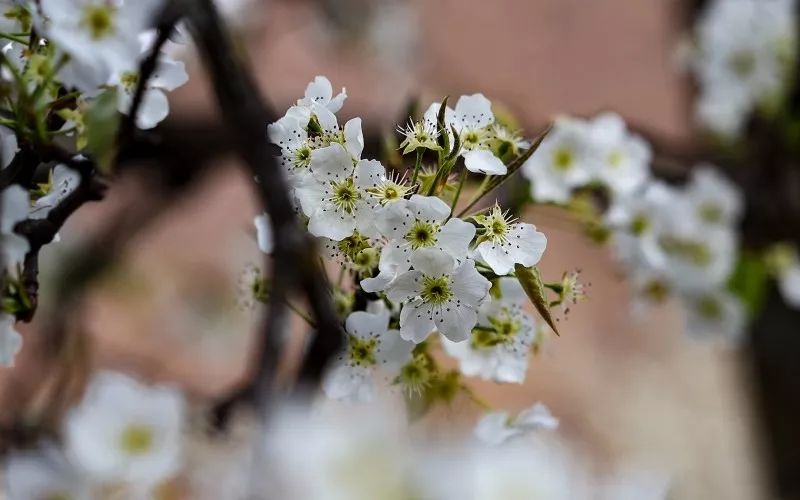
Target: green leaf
749	281
102	125
531	281
441	128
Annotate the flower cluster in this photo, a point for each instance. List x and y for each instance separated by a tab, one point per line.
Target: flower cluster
745	51
69	71
670	240
420	265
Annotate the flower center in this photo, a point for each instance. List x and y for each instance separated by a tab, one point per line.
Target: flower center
129	80
692	251
353	245
710	213
345	195
99	19
389	191
563	159
422	234
639	225
742	63
709	308
436	290
362	351
136	439
302	157
615	158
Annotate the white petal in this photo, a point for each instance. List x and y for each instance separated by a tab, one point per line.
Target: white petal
493	428
10	340
496	257
331	164
331	223
8	146
455	236
536	417
428	208
483	161
169	75
263	232
432	262
415	322
456	321
320	90
348	383
407	286
789	283
368	173
526	244
394	351
363	324
154	108
474	111
395	220
310	193
14	207
469	285
354	137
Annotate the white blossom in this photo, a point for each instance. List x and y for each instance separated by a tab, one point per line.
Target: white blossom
369	345
499	346
335	196
99	36
168	75
716	315
565	160
716	200
744	51
789	284
472	118
623	158
44	473
438	294
502	242
125	431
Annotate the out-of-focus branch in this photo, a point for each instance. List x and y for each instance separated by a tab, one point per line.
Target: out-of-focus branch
294	264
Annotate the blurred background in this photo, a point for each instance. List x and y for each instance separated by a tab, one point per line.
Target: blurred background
630	392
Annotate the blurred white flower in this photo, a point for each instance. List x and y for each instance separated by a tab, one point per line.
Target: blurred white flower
789	284
10	339
497	427
44	474
745	50
168	75
623	158
716	200
14	207
125	431
716	315
8	146
100	37
369	345
565	160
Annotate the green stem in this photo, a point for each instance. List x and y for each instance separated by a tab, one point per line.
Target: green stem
482	191
417	166
458	191
14	38
477	399
302	314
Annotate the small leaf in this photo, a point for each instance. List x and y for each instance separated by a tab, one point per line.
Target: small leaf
749	281
456	145
102	125
531	282
441	128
